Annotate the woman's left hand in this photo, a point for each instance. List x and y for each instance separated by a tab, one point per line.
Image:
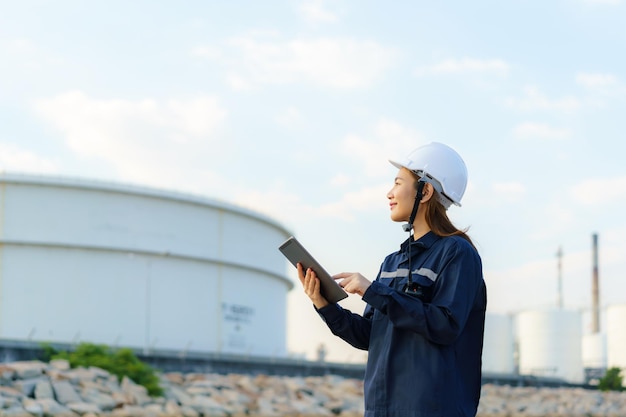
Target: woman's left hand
353	282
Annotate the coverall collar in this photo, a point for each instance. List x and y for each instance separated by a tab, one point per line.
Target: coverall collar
423	242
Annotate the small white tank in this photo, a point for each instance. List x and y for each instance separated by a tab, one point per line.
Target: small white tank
499	344
616	335
550	344
594	350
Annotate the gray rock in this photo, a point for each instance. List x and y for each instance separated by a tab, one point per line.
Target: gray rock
112	384
27	369
43	389
53	408
153	410
189	411
64	392
103	401
128	411
10	392
94	385
15	411
6	373
171	408
122	399
100	373
33	407
84	408
137	393
27	386
207	406
10	402
77	375
60	364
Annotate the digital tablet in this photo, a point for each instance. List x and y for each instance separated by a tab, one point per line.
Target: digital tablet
295	252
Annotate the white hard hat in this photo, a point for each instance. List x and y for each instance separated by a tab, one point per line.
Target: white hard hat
441	166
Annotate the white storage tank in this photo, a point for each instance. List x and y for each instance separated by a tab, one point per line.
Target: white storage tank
616	336
594	351
549	344
499	344
132	266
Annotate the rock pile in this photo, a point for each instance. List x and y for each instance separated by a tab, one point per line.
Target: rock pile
505	401
37	389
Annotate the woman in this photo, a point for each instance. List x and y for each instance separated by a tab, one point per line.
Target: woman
424	320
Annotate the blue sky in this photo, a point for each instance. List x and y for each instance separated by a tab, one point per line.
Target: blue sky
292	108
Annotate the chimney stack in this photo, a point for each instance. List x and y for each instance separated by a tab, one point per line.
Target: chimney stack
595	298
559	257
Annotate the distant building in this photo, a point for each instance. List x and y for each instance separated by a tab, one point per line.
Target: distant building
139	267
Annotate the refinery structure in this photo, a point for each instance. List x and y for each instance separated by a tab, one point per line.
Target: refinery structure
550	343
162	271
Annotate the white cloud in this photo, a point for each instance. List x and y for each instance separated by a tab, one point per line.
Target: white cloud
136	137
535	100
509	191
465	65
391	141
524	281
14	158
290	117
555	220
332	62
22	54
280	203
604	84
207	52
521	280
364	199
340	180
364	157
276	201
18	46
599	191
596	80
238	83
316	11
608	2
540	131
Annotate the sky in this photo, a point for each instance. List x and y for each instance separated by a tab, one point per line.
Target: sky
292	109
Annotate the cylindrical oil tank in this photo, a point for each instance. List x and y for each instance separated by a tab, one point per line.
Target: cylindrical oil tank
499	344
138	267
549	344
594	351
616	336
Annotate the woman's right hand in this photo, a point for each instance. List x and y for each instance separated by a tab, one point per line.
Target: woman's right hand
311	284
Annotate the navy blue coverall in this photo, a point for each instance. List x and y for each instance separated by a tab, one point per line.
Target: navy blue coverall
424	351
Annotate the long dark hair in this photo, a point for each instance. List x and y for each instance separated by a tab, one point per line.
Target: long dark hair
437	220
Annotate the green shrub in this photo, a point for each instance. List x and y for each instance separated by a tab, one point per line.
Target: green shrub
612	380
119	362
47	352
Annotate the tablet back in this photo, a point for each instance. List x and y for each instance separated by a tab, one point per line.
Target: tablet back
295	252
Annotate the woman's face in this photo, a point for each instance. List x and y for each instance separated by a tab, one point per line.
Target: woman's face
402	196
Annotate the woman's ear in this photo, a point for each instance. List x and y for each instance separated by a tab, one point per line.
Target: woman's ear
427	192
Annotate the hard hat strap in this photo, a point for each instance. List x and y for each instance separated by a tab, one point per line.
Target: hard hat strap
407	228
418	197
